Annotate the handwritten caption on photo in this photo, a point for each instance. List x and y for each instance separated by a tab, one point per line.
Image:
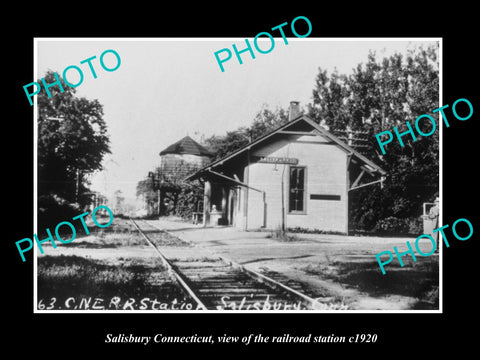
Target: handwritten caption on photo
114	303
57	229
146	303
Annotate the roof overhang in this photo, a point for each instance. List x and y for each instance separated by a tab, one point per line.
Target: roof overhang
317	130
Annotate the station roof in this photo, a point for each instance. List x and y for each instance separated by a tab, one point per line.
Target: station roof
186	146
304	120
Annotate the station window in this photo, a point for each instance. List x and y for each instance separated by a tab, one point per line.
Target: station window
297	189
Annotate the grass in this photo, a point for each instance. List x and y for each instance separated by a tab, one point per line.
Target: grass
73	276
120	233
64	277
289	234
302	230
163	238
417	279
107	239
202	259
281	235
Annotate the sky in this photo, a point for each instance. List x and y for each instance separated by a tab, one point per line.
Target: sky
167	88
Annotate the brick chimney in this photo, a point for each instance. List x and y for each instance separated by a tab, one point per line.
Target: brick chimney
294	110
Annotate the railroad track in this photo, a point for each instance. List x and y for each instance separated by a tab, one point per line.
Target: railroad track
216	283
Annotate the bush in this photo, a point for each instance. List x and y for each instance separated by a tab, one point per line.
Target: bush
415	225
52	209
303	230
280	235
188	199
393	224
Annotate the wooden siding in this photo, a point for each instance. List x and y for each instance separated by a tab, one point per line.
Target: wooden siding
326	175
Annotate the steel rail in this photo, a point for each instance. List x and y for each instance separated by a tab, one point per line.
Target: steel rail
171	269
306	300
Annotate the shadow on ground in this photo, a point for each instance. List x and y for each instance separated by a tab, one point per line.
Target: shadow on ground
416	279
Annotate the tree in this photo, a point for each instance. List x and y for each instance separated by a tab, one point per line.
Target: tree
177	197
222	145
265	121
379	95
146	191
329	97
72	141
189	197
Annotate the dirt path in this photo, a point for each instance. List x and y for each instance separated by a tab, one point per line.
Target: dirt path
336	269
316	260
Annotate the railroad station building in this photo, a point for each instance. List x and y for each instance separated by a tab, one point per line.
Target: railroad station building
297	176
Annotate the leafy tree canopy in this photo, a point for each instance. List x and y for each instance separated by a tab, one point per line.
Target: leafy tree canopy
265	121
72	141
378	95
381	94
